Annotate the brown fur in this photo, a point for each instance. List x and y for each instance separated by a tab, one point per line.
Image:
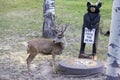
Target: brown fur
47	47
43	46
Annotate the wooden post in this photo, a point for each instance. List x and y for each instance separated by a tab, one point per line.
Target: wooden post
49	19
113	56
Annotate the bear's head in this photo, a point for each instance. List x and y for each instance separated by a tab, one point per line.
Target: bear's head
93	8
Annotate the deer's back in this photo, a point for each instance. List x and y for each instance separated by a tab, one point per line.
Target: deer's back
42	45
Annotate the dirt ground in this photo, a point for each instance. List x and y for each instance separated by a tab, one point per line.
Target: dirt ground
13	61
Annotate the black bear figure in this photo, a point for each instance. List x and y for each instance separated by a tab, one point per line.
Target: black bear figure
91	24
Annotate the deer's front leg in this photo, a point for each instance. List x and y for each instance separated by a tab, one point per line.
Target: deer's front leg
53	63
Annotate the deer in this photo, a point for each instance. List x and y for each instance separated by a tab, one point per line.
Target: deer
46	46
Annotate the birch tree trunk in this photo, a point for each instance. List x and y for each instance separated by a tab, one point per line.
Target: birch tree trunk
113	56
49	19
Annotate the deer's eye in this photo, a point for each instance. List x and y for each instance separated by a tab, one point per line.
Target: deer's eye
59	37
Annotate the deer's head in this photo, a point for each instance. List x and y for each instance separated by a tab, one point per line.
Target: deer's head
60	34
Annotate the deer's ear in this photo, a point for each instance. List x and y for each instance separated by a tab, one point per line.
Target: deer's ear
88	4
99	5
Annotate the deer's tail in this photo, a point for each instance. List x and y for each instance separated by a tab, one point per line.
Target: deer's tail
26	45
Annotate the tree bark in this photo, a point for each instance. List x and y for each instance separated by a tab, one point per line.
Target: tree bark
49	19
113	56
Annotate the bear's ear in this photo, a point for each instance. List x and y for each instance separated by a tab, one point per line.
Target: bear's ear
99	4
88	4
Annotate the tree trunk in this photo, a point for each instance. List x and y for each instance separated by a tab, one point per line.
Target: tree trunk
113	56
49	19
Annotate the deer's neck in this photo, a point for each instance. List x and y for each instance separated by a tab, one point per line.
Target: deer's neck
63	43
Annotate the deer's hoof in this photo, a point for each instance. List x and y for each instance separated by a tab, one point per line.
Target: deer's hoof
30	73
55	71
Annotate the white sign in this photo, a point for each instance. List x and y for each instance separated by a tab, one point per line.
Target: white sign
89	36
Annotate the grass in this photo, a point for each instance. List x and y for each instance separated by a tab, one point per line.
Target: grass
20	16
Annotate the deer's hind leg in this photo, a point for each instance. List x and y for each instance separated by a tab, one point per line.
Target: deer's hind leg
29	60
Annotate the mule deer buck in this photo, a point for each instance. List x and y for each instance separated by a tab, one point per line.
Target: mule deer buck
47	47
